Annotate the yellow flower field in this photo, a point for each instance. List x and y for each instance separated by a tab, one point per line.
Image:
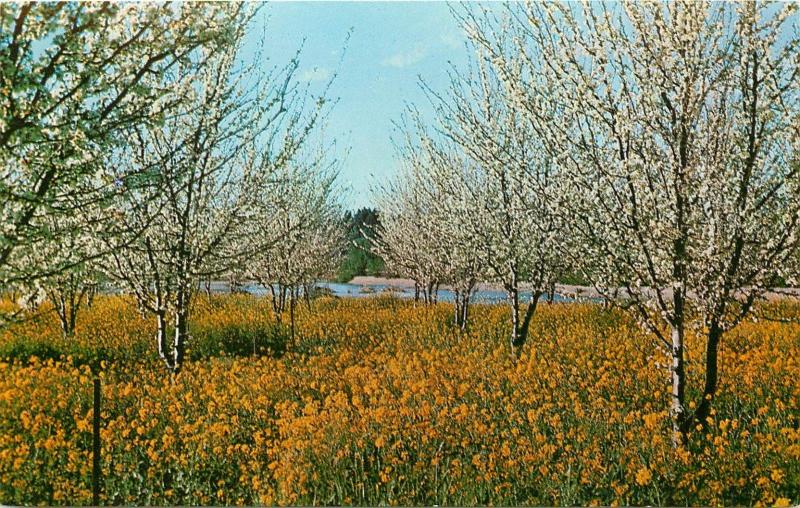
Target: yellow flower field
381	402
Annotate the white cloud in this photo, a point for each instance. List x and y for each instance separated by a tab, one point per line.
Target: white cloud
405	58
315	74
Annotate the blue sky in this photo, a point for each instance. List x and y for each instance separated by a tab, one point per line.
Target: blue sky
391	45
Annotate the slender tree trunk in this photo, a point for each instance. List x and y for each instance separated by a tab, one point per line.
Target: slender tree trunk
67	302
677	408
161	338
712	375
291	316
465	311
63	318
513	295
416	292
181	329
461	308
181	335
457	308
277	308
678	375
307	295
91	292
519	330
529	312
74	307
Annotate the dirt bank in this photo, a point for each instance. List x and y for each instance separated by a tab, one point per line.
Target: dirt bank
567	290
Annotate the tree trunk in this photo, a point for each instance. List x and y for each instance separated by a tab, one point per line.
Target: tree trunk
161	338
457	308
307	295
519	330
678	375
277	308
712	374
63	318
513	295
461	308
67	302
291	316
464	310
181	335
90	294
74	306
181	329
59	305
429	293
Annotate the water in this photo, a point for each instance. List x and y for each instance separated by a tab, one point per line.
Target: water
345	290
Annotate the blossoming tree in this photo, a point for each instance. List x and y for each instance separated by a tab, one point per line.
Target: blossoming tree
301	212
516	223
437	174
73	76
678	126
408	238
192	184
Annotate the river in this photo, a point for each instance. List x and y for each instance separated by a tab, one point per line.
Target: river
345	290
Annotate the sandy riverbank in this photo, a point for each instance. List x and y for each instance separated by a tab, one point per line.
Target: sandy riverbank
561	289
567	290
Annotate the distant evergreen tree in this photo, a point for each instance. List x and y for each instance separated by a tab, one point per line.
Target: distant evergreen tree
360	260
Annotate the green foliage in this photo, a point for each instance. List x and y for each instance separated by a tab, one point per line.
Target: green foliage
574	279
359	259
23	350
238	340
